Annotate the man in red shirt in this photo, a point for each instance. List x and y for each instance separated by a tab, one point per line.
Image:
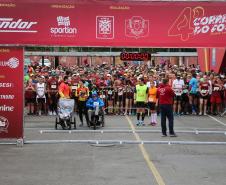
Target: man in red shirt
165	95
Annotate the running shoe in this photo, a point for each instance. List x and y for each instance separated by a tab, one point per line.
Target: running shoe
139	123
142	123
173	135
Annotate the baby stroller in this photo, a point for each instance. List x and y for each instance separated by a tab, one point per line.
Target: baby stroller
97	117
64	117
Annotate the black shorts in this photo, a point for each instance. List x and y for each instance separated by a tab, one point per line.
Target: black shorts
41	100
120	98
194	95
204	97
177	98
30	100
151	105
140	105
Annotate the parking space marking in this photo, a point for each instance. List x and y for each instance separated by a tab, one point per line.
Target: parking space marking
215	119
146	156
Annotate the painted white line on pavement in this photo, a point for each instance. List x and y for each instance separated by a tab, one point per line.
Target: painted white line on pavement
215	119
146	156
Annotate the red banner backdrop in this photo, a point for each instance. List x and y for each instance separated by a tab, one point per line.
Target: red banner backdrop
11	93
113	23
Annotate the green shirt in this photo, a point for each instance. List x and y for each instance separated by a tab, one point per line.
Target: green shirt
26	78
141	93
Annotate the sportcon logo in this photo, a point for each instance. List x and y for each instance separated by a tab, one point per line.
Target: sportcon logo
64	27
9	25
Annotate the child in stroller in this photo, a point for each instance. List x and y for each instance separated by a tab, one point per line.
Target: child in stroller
95	106
65	110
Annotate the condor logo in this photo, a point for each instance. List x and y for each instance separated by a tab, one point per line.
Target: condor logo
10	25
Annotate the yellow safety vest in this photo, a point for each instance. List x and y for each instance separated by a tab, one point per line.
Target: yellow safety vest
141	93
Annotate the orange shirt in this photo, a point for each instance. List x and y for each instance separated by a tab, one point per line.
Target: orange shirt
152	94
64	90
83	93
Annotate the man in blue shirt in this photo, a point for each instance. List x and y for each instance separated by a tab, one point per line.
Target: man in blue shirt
193	86
95	103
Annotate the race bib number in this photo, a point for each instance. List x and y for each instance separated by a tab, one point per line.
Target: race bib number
41	95
216	89
96	104
74	87
203	91
141	94
151	99
102	96
120	93
178	92
53	86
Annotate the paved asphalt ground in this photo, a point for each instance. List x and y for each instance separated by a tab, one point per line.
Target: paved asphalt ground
118	164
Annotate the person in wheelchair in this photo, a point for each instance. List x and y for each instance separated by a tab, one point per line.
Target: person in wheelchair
95	106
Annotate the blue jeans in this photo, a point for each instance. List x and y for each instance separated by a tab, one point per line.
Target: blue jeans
167	112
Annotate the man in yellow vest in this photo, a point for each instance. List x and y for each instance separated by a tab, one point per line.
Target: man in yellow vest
140	99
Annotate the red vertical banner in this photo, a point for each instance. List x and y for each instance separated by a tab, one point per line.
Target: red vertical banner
11	93
211	59
204	59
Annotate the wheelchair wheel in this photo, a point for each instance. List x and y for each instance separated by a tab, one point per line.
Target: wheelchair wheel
56	123
103	121
74	123
69	124
95	124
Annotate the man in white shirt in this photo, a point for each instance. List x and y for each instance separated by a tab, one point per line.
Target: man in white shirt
177	86
41	95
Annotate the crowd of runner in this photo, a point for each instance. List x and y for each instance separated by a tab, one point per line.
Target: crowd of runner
196	92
